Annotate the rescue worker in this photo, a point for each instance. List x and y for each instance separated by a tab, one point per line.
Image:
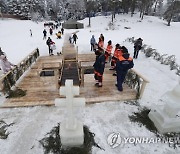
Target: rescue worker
124	63
108	51
102	37
101	43
99	66
137	47
117	53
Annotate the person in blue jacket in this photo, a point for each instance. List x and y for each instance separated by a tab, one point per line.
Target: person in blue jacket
124	63
92	42
99	67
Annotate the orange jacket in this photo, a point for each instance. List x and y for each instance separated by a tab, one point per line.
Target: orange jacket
109	49
117	53
121	58
101	44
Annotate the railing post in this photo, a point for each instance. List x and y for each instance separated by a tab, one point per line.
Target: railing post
82	77
142	89
56	73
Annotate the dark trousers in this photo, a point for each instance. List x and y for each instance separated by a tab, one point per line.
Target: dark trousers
120	79
113	61
136	51
92	47
74	41
50	50
98	77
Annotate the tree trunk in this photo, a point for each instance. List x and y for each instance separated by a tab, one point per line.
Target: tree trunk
89	21
172	13
132	8
169	20
112	17
155	8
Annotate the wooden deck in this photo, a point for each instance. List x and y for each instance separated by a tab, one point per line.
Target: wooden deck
108	92
42	90
39	90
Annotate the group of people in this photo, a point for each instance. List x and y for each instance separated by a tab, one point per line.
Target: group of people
5	65
59	34
120	60
51	44
73	38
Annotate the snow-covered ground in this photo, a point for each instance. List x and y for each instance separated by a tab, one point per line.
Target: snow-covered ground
33	123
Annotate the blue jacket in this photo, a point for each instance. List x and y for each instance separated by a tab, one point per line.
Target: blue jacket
124	63
99	63
93	40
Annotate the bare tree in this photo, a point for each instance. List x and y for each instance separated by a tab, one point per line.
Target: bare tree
145	6
133	6
157	4
173	9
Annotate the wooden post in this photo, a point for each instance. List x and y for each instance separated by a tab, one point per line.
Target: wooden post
56	74
82	77
77	53
144	82
62	50
142	89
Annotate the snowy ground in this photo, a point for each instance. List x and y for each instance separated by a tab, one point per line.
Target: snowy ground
33	123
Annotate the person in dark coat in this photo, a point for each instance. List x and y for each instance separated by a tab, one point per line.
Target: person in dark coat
124	63
44	34
75	38
99	66
137	47
51	31
30	32
62	30
48	42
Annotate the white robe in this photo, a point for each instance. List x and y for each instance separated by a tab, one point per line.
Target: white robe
5	65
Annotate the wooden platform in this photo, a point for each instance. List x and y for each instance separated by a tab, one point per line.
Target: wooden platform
42	90
108	92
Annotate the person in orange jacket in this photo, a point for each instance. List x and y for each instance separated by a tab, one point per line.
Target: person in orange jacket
101	43
124	63
108	50
117	53
102	38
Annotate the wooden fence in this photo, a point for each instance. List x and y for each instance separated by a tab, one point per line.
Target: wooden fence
136	81
9	79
